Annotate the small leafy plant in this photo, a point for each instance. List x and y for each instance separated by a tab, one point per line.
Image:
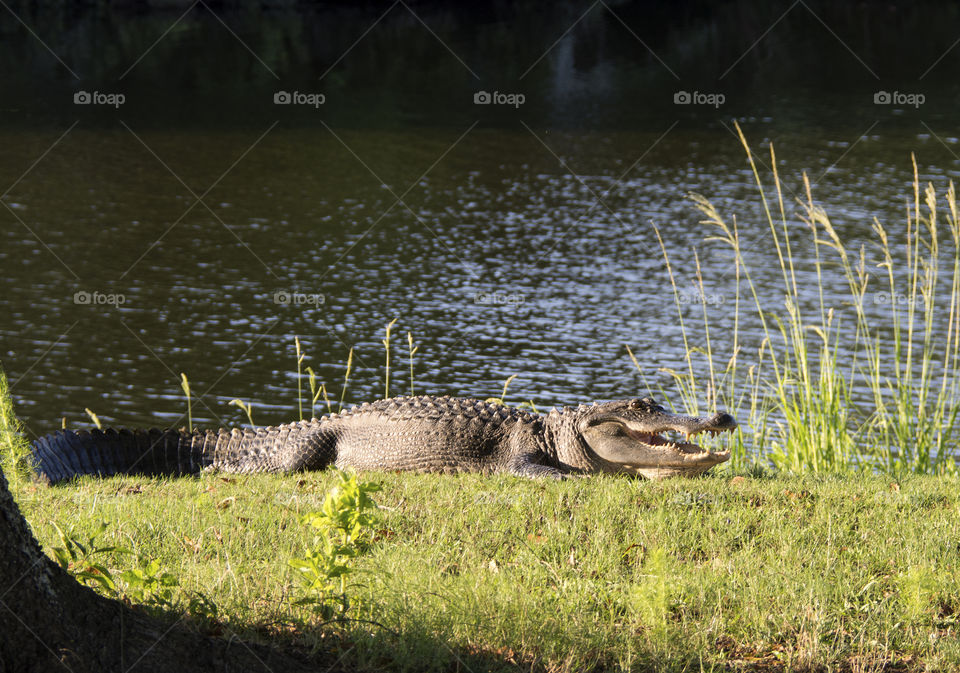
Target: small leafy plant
150	584
343	532
147	583
77	558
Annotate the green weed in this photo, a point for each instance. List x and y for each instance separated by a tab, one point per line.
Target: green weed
342	532
82	558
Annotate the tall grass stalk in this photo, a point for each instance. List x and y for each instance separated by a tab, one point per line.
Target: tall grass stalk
502	400
300	357
386	345
346	379
412	349
316	392
247	408
798	396
686	383
185	387
506	384
94	418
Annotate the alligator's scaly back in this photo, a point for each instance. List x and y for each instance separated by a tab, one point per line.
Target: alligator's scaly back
426	434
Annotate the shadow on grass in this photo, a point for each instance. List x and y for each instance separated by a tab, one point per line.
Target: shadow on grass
327	647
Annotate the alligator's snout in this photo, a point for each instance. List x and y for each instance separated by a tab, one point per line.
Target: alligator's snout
723	421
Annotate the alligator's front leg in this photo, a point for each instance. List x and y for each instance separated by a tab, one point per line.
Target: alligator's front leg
526	455
527	465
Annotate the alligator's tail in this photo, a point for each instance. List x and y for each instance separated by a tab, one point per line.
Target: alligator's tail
68	453
306	445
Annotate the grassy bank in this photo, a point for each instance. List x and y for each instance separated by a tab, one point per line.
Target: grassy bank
611	573
487	573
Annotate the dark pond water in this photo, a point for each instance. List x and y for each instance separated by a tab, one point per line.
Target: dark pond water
197	226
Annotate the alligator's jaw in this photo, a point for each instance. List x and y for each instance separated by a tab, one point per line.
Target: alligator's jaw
630	438
662	458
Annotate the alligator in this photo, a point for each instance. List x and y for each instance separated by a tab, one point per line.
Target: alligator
423	434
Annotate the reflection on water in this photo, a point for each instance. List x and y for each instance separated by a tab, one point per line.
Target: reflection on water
199	227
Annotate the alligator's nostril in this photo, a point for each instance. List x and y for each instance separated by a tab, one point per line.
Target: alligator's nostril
724	419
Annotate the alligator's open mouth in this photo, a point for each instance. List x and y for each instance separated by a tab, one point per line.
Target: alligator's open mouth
673	441
652	442
669	452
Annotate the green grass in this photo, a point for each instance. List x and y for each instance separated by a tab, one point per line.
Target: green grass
608	573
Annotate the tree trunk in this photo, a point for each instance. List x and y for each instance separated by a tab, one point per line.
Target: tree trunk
49	622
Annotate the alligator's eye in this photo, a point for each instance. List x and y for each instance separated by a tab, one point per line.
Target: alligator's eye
636	404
